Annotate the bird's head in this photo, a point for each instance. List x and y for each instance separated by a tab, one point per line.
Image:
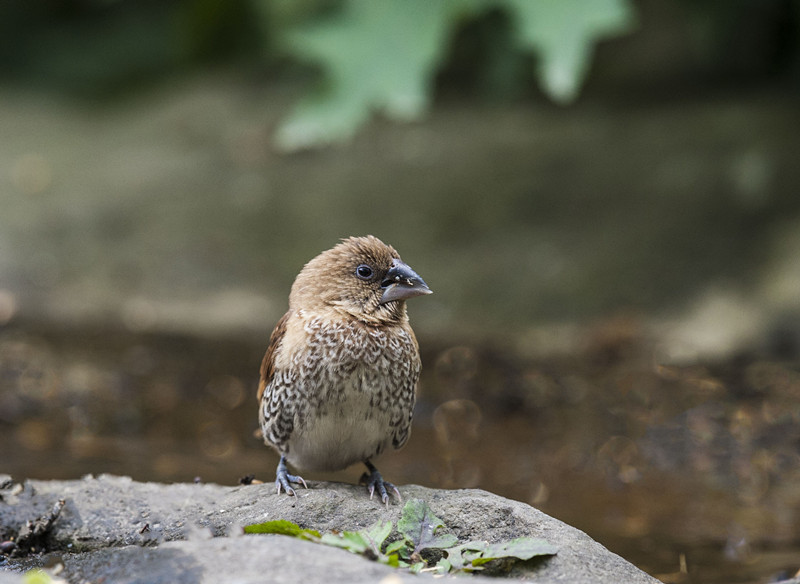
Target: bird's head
362	277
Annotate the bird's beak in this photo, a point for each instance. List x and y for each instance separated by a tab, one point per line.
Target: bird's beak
402	282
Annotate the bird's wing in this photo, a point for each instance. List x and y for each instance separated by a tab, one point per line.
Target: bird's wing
268	364
405	394
404	411
276	413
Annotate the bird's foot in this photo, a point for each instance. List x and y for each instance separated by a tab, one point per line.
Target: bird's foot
375	482
284	480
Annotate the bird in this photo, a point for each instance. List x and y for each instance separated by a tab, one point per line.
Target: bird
339	378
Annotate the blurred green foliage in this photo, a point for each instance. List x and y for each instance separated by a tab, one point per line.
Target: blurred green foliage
369	55
373	56
383	55
97	48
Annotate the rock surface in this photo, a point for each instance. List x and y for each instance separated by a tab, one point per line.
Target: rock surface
114	529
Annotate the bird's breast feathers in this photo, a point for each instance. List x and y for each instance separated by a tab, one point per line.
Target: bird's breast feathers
340	391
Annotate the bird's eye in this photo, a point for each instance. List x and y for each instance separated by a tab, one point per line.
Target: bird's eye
364	272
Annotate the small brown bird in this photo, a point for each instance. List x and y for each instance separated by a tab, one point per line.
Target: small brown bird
338	381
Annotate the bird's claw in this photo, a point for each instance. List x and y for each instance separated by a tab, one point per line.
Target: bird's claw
375	481
284	480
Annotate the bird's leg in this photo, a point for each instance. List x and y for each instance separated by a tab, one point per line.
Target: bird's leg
284	480
374	481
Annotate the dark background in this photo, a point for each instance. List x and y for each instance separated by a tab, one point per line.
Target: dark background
614	331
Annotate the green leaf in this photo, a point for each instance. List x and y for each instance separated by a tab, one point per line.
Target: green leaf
400	546
393	560
443	566
521	548
377	533
366	541
381	55
471	556
419	525
283	527
36	576
455	560
352	541
461	556
375	56
563	33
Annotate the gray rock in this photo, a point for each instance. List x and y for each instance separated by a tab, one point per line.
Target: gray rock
257	559
119	530
10	577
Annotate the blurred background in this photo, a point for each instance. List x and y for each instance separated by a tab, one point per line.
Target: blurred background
602	194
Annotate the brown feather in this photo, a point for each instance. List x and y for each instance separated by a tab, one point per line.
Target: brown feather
268	363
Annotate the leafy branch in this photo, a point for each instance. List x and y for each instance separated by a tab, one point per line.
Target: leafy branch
383	56
423	543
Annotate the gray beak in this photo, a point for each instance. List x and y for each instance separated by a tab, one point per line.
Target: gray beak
401	283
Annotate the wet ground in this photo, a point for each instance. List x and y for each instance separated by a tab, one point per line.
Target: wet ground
690	471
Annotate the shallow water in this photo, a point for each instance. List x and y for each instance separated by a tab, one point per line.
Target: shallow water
691	472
